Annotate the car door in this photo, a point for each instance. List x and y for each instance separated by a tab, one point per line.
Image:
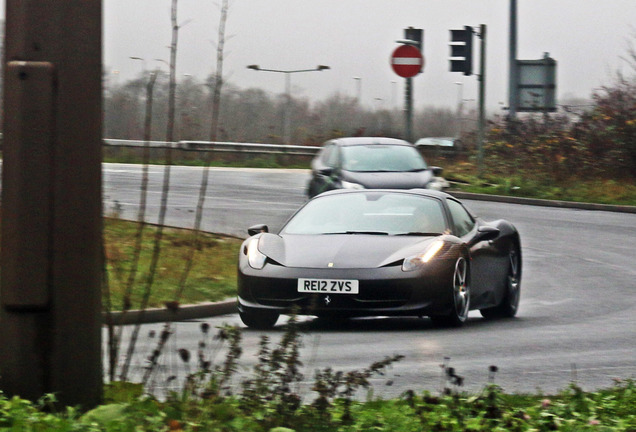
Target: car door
483	254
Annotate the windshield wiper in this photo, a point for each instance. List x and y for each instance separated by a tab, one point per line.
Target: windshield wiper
375	171
357	232
368	232
419	233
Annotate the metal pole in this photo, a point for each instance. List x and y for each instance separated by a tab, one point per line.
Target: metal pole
50	299
513	85
482	100
408	109
287	112
460	107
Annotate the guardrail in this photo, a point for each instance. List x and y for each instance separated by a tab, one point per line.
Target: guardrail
221	147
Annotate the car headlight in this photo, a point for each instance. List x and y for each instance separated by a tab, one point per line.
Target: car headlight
434	185
350	185
438	183
255	258
414	262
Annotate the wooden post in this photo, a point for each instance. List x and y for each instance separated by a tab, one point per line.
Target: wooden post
50	298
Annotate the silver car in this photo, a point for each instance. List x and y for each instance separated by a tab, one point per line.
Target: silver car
371	163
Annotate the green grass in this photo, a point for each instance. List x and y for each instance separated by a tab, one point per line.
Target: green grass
599	191
191	159
213	274
596	191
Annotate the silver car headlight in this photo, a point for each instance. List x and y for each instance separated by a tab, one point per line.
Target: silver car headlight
350	185
416	261
438	183
255	258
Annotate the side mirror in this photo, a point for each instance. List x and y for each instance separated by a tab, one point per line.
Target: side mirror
256	229
485	233
327	171
437	171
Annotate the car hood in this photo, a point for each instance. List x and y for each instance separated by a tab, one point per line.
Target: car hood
389	180
341	250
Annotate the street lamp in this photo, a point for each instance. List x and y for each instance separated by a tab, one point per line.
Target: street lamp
143	63
287	115
164	62
358	88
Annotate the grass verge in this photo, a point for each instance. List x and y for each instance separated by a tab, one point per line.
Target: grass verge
598	191
213	274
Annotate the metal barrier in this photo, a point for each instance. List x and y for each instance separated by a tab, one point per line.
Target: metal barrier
222	147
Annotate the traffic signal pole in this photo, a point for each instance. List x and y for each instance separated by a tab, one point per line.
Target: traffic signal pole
50	298
461	53
482	100
408	109
415	37
513	84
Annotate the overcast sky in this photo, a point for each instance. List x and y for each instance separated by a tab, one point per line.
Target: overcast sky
356	38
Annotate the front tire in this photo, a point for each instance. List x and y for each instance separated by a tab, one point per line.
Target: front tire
259	319
460	297
510	303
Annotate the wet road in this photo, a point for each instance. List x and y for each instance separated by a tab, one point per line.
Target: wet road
577	318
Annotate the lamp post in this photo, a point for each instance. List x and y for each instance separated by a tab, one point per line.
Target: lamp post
393	93
460	107
358	81
287	114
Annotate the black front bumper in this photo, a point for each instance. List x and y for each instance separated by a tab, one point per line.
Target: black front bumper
382	291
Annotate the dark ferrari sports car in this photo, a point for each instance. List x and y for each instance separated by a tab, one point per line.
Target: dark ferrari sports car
350	253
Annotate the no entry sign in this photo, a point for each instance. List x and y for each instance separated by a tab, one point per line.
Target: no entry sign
407	61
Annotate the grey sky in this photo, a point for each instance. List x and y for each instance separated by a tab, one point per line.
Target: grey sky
356	38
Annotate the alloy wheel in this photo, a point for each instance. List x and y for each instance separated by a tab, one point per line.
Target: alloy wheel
514	281
461	289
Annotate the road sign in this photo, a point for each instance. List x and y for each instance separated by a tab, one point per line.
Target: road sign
536	85
407	61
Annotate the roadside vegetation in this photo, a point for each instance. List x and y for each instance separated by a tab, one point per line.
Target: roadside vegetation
589	157
270	399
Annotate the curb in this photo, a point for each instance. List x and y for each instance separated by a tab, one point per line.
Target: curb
186	312
543	202
226	307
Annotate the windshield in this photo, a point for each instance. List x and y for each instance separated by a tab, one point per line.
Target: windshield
376	213
379	158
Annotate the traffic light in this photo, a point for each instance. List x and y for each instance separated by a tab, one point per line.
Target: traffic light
462	50
415	35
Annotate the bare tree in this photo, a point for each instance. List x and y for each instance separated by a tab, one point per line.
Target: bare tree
218	81
216	106
164	195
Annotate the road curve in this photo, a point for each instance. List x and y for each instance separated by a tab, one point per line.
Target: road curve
577	318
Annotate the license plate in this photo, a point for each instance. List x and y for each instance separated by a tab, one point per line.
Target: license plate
328	286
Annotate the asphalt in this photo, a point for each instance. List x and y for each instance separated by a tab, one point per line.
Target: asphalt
226	307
